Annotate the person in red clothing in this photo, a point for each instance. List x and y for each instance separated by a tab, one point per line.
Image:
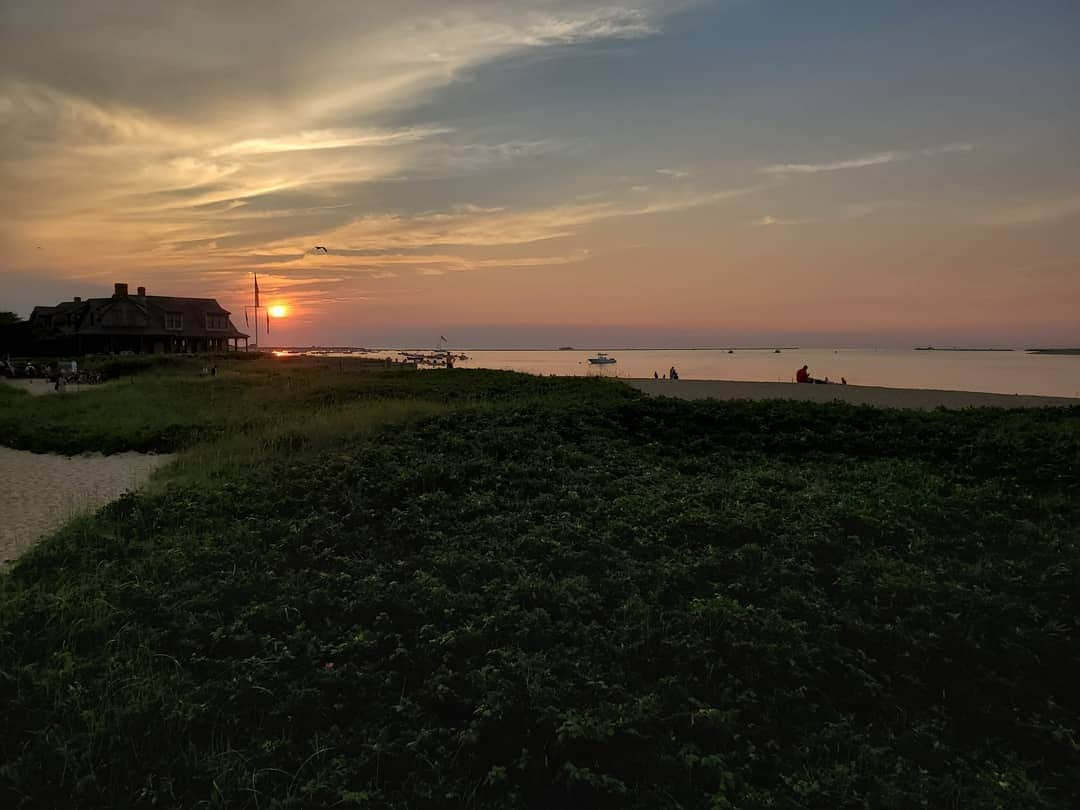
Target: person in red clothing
803	375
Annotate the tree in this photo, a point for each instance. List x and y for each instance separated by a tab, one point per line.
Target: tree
8	318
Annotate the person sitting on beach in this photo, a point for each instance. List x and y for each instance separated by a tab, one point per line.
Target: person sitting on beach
803	375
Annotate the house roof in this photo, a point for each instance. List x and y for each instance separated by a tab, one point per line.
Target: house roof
133	315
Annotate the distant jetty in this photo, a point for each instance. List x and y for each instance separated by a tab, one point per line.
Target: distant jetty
957	349
1054	351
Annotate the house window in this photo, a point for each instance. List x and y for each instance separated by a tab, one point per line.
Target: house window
174	320
219	322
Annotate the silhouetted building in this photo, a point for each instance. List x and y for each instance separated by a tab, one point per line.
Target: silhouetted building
138	323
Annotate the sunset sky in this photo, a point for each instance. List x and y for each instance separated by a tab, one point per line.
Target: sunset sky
539	172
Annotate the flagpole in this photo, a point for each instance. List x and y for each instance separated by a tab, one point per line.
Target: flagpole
255	309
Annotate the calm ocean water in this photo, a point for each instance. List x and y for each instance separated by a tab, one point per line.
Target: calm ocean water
1015	372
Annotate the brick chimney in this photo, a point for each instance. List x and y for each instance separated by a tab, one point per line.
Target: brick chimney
120	290
78	299
142	292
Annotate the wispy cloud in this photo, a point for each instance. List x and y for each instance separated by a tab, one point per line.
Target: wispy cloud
1031	212
876	159
864	161
509	227
675	174
472	156
959	146
328	139
832	214
570	27
766	221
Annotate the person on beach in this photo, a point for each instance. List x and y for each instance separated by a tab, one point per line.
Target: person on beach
673	374
803	376
656	375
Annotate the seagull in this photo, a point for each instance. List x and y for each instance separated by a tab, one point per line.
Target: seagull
320	247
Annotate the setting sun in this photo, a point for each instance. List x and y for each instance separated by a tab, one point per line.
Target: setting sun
277	311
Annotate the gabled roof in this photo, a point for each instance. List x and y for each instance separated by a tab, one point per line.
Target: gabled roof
133	315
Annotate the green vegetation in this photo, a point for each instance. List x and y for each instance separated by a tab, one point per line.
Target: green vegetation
474	589
164	404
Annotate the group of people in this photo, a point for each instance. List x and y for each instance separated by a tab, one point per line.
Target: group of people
58	372
803	376
671	375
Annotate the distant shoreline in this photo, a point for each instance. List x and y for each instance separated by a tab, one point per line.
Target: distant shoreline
957	349
356	349
591	348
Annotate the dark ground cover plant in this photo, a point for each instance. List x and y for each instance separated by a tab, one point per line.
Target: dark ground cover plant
582	598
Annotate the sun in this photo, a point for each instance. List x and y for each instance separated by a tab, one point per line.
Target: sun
278	311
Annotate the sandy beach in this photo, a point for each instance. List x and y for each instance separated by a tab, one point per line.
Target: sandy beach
42	491
921	399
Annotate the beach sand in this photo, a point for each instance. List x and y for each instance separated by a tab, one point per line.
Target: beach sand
42	491
922	399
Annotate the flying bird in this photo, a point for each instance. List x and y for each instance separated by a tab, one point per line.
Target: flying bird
320	247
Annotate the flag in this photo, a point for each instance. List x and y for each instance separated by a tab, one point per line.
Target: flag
444	338
268	323
256	290
246	321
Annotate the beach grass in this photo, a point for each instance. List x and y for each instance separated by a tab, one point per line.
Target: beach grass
478	589
169	406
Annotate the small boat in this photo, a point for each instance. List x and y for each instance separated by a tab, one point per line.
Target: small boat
601	359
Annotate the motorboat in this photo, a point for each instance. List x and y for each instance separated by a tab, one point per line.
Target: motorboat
602	359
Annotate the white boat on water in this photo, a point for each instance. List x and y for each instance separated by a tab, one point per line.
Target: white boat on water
602	359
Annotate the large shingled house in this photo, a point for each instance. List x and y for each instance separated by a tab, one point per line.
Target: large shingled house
138	323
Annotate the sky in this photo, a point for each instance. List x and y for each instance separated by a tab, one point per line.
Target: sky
533	173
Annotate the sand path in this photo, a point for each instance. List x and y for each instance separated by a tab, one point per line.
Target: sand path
922	399
40	492
38	387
